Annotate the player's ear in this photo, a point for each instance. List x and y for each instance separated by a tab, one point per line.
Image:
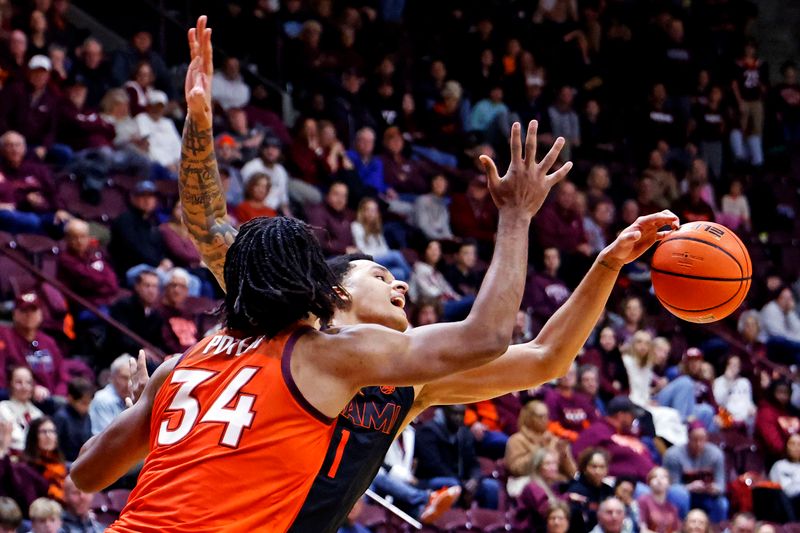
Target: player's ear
343	294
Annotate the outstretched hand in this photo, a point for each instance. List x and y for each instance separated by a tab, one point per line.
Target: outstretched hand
201	69
634	240
526	183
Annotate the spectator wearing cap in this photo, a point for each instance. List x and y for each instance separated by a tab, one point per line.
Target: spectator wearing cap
79	126
256	191
629	455
83	268
368	166
691	394
180	323
125	61
401	175
72	419
163	139
93	68
139	312
30	107
776	420
109	402
697	475
135	238
781	323
331	222
228	87
18	411
268	162
473	215
431	212
24	344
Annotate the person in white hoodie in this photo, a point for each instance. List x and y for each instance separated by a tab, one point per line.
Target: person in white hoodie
786	472
735	393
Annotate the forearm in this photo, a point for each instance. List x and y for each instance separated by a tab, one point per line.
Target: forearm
202	195
495	309
567	330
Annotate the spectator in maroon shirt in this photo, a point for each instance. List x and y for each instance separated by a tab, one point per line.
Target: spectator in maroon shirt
776	419
23	344
331	222
629	455
178	243
13	62
559	223
32	181
82	267
180	324
79	126
608	359
647	196
400	174
473	214
571	411
657	514
30	107
18	481
306	156
545	291
691	207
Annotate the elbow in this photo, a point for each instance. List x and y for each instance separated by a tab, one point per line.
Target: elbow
79	476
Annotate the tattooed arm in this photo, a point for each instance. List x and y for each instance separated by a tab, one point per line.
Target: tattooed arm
202	197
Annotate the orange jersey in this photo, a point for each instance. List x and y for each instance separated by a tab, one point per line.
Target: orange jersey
233	445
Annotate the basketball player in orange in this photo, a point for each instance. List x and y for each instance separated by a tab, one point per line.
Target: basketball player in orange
364	430
236	429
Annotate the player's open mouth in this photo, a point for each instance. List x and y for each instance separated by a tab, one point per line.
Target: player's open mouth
399	301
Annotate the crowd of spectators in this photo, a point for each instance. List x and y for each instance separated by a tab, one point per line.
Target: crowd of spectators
663	105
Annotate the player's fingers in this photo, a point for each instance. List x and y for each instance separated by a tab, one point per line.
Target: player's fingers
550	159
207	53
530	143
516	143
491	171
142	364
192	43
559	174
632	235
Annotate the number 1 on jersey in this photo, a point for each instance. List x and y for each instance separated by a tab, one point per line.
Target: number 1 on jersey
236	419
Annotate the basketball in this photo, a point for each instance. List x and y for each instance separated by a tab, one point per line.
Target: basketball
701	272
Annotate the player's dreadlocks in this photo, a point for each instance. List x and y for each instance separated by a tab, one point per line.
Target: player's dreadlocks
276	275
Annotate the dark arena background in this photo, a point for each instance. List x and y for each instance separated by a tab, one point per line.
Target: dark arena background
366	118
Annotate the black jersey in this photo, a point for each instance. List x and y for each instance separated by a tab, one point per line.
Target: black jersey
365	430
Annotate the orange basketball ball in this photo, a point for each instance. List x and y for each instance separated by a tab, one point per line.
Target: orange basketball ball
701	272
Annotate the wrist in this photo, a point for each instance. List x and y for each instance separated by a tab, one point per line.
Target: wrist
611	263
514	214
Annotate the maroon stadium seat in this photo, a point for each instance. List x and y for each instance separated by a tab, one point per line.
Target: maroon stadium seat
452	520
487	520
100	502
371	516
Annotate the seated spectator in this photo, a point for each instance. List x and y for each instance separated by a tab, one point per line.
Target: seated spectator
228	87
268	162
587	491
690	393
735	208
532	436
140	50
24	344
597	183
19	410
367	230
45	516
610	516
646	196
787	97
628	454
140	314
445	126
401	175
657	514
256	192
396	479
607	357
589	384
79	126
368	166
331	222
428	284
636	358
248	139
484	421
180	323
43	455
178	244
571	411
29	107
92	67
141	82
446	456
557	518
781	323
306	155
696	522
776	420
78	516
691	207
541	491
72	419
634	319
109	401
115	110
786	472
431	213
490	117
135	239
83	268
623	491
163	139
598	224
545	290
564	121
734	393
10	515
462	275
664	180
742	523
697	475
473	214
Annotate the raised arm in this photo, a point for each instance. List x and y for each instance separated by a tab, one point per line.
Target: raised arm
551	353
373	355
202	196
